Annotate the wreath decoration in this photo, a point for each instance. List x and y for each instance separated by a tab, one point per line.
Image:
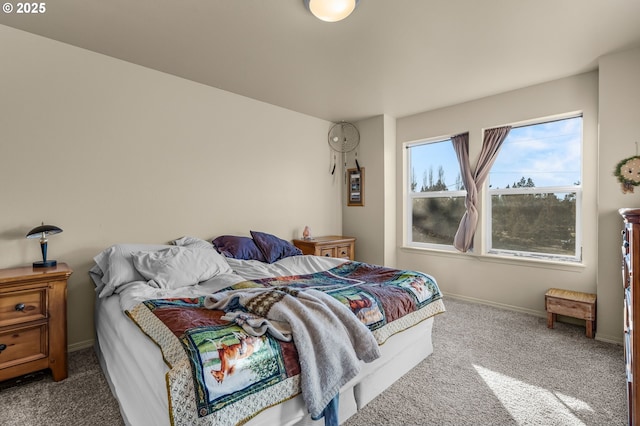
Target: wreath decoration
628	173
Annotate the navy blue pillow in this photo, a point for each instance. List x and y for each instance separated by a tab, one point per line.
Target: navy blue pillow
238	248
274	248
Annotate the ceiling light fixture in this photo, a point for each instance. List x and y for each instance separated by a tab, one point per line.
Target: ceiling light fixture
331	10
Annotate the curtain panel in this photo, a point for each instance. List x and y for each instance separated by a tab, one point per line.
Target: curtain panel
473	181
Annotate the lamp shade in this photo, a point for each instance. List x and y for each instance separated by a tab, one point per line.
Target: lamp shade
331	10
42	232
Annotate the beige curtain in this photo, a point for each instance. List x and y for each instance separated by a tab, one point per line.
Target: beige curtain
493	139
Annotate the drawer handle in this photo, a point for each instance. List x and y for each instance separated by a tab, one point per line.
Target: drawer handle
327	255
2	347
20	307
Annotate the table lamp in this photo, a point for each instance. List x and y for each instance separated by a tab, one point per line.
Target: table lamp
42	232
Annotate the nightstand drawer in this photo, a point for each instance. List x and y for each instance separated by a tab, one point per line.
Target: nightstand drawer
23	306
23	344
327	252
343	252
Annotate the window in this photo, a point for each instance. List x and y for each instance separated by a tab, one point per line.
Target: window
435	194
533	201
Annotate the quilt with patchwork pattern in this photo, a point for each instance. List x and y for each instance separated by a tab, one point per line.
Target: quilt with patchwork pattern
220	375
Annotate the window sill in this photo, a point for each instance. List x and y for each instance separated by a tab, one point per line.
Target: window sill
493	258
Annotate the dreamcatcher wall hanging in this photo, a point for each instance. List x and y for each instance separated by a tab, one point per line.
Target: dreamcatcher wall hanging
628	172
343	138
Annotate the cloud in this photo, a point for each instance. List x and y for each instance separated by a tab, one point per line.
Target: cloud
548	153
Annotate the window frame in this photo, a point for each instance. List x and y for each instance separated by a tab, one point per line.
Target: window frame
486	212
483	239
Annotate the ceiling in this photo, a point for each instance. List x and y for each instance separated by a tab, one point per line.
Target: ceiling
395	57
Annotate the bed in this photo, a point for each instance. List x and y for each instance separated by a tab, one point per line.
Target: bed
143	358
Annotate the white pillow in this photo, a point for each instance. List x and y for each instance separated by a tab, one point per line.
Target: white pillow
180	266
116	265
193	242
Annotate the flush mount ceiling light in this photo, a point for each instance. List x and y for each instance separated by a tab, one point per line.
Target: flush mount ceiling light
331	10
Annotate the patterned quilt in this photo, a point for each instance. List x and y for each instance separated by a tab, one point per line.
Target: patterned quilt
220	375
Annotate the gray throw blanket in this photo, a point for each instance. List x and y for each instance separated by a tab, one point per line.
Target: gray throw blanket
329	338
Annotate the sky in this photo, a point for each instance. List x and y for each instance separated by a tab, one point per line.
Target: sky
548	153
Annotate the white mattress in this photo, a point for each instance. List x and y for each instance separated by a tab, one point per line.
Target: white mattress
135	370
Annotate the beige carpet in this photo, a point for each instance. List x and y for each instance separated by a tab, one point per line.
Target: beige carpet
83	398
496	367
490	367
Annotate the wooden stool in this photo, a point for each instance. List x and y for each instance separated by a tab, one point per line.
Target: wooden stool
572	304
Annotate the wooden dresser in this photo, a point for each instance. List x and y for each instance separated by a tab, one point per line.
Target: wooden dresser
33	320
631	283
330	246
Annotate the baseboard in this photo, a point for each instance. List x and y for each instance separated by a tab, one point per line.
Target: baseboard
608	339
542	314
80	345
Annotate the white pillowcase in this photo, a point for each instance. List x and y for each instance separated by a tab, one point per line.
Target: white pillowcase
193	242
176	267
115	265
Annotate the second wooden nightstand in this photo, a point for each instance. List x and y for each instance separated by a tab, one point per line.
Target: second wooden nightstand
330	246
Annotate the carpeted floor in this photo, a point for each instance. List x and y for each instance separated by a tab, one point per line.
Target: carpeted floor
489	367
83	398
496	367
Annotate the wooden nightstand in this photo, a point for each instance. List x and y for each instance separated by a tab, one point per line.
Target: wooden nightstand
330	246
33	320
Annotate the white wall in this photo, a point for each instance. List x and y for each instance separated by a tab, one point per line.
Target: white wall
390	195
516	284
374	223
114	152
619	107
